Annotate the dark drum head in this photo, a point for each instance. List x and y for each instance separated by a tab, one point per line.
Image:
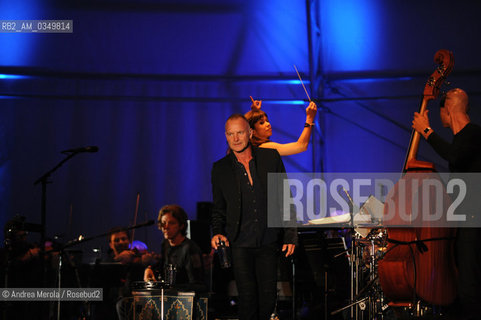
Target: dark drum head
147	288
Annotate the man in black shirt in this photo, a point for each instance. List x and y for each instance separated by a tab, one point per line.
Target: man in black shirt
178	251
239	218
463	155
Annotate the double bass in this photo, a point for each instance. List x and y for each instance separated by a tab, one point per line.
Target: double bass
419	261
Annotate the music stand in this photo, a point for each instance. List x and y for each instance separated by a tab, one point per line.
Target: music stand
82	239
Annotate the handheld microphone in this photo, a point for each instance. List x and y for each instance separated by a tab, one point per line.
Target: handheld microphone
82	149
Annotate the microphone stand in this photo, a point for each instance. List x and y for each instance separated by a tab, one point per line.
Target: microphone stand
44	179
353	260
8	263
82	239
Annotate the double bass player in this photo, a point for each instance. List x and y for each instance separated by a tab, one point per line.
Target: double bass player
463	155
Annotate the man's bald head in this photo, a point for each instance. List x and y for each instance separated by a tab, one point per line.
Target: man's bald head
457	101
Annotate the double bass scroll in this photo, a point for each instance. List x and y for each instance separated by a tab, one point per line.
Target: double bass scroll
445	61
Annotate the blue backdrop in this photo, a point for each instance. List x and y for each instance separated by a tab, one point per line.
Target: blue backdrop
152	82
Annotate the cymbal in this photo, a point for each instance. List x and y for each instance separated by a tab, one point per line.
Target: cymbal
337	219
368	225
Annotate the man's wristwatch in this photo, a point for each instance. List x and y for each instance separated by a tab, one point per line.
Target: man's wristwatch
427	130
307	125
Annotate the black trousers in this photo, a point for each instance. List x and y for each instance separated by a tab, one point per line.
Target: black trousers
469	266
255	272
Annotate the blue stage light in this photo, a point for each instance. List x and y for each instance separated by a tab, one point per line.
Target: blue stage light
11	77
352	34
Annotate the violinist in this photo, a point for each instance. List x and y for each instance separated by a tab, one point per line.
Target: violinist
119	244
21	256
463	155
262	130
131	266
21	267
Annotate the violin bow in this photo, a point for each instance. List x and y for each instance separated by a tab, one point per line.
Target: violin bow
135	216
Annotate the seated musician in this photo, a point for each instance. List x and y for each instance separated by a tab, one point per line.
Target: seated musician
20	267
21	253
119	243
131	263
179	251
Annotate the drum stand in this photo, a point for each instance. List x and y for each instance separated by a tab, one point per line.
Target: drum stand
354	267
373	302
162	303
374	306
